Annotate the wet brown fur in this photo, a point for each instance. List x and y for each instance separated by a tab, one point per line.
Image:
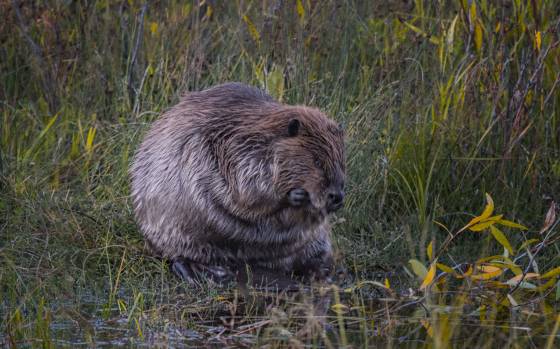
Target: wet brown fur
212	177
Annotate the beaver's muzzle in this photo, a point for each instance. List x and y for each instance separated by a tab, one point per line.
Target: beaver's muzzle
335	200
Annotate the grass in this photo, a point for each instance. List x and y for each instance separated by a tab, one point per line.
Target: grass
441	102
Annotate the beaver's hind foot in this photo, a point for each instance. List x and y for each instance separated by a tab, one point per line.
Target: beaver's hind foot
193	273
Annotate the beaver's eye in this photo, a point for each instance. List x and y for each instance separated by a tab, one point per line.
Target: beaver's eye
317	162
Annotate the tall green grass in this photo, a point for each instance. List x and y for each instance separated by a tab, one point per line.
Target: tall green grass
441	102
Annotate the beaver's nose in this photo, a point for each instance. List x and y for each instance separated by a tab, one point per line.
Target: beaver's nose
335	200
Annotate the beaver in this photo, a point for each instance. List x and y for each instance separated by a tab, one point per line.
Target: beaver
230	177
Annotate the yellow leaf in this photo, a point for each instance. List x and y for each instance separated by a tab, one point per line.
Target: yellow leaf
428	327
518	278
485	223
472	11
430	250
500	262
538	40
122	305
550	283
339	308
487	276
252	30
418	268
387	284
489	268
551	273
445	268
489	258
415	29
90	138
482	312
433	39
513	267
478	36
511	224
488	210
258	69
429	277
154	28
138	328
498	27
468	272
501	238
300	10
41	135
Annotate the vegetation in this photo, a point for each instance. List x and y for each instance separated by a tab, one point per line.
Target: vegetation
442	102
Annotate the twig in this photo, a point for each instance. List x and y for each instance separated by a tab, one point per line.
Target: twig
541	244
532	81
139	34
448	241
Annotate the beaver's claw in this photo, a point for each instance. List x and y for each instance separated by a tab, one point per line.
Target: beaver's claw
298	197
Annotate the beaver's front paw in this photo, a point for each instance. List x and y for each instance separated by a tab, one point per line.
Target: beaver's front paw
323	272
298	197
318	268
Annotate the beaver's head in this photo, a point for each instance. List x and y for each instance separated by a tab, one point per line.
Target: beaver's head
308	165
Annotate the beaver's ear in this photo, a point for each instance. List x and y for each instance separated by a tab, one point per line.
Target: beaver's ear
293	127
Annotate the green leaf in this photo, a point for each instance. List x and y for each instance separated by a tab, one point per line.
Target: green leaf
418	268
526	285
551	273
339	308
501	238
511	224
39	138
527	243
433	39
451	32
445	268
275	83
